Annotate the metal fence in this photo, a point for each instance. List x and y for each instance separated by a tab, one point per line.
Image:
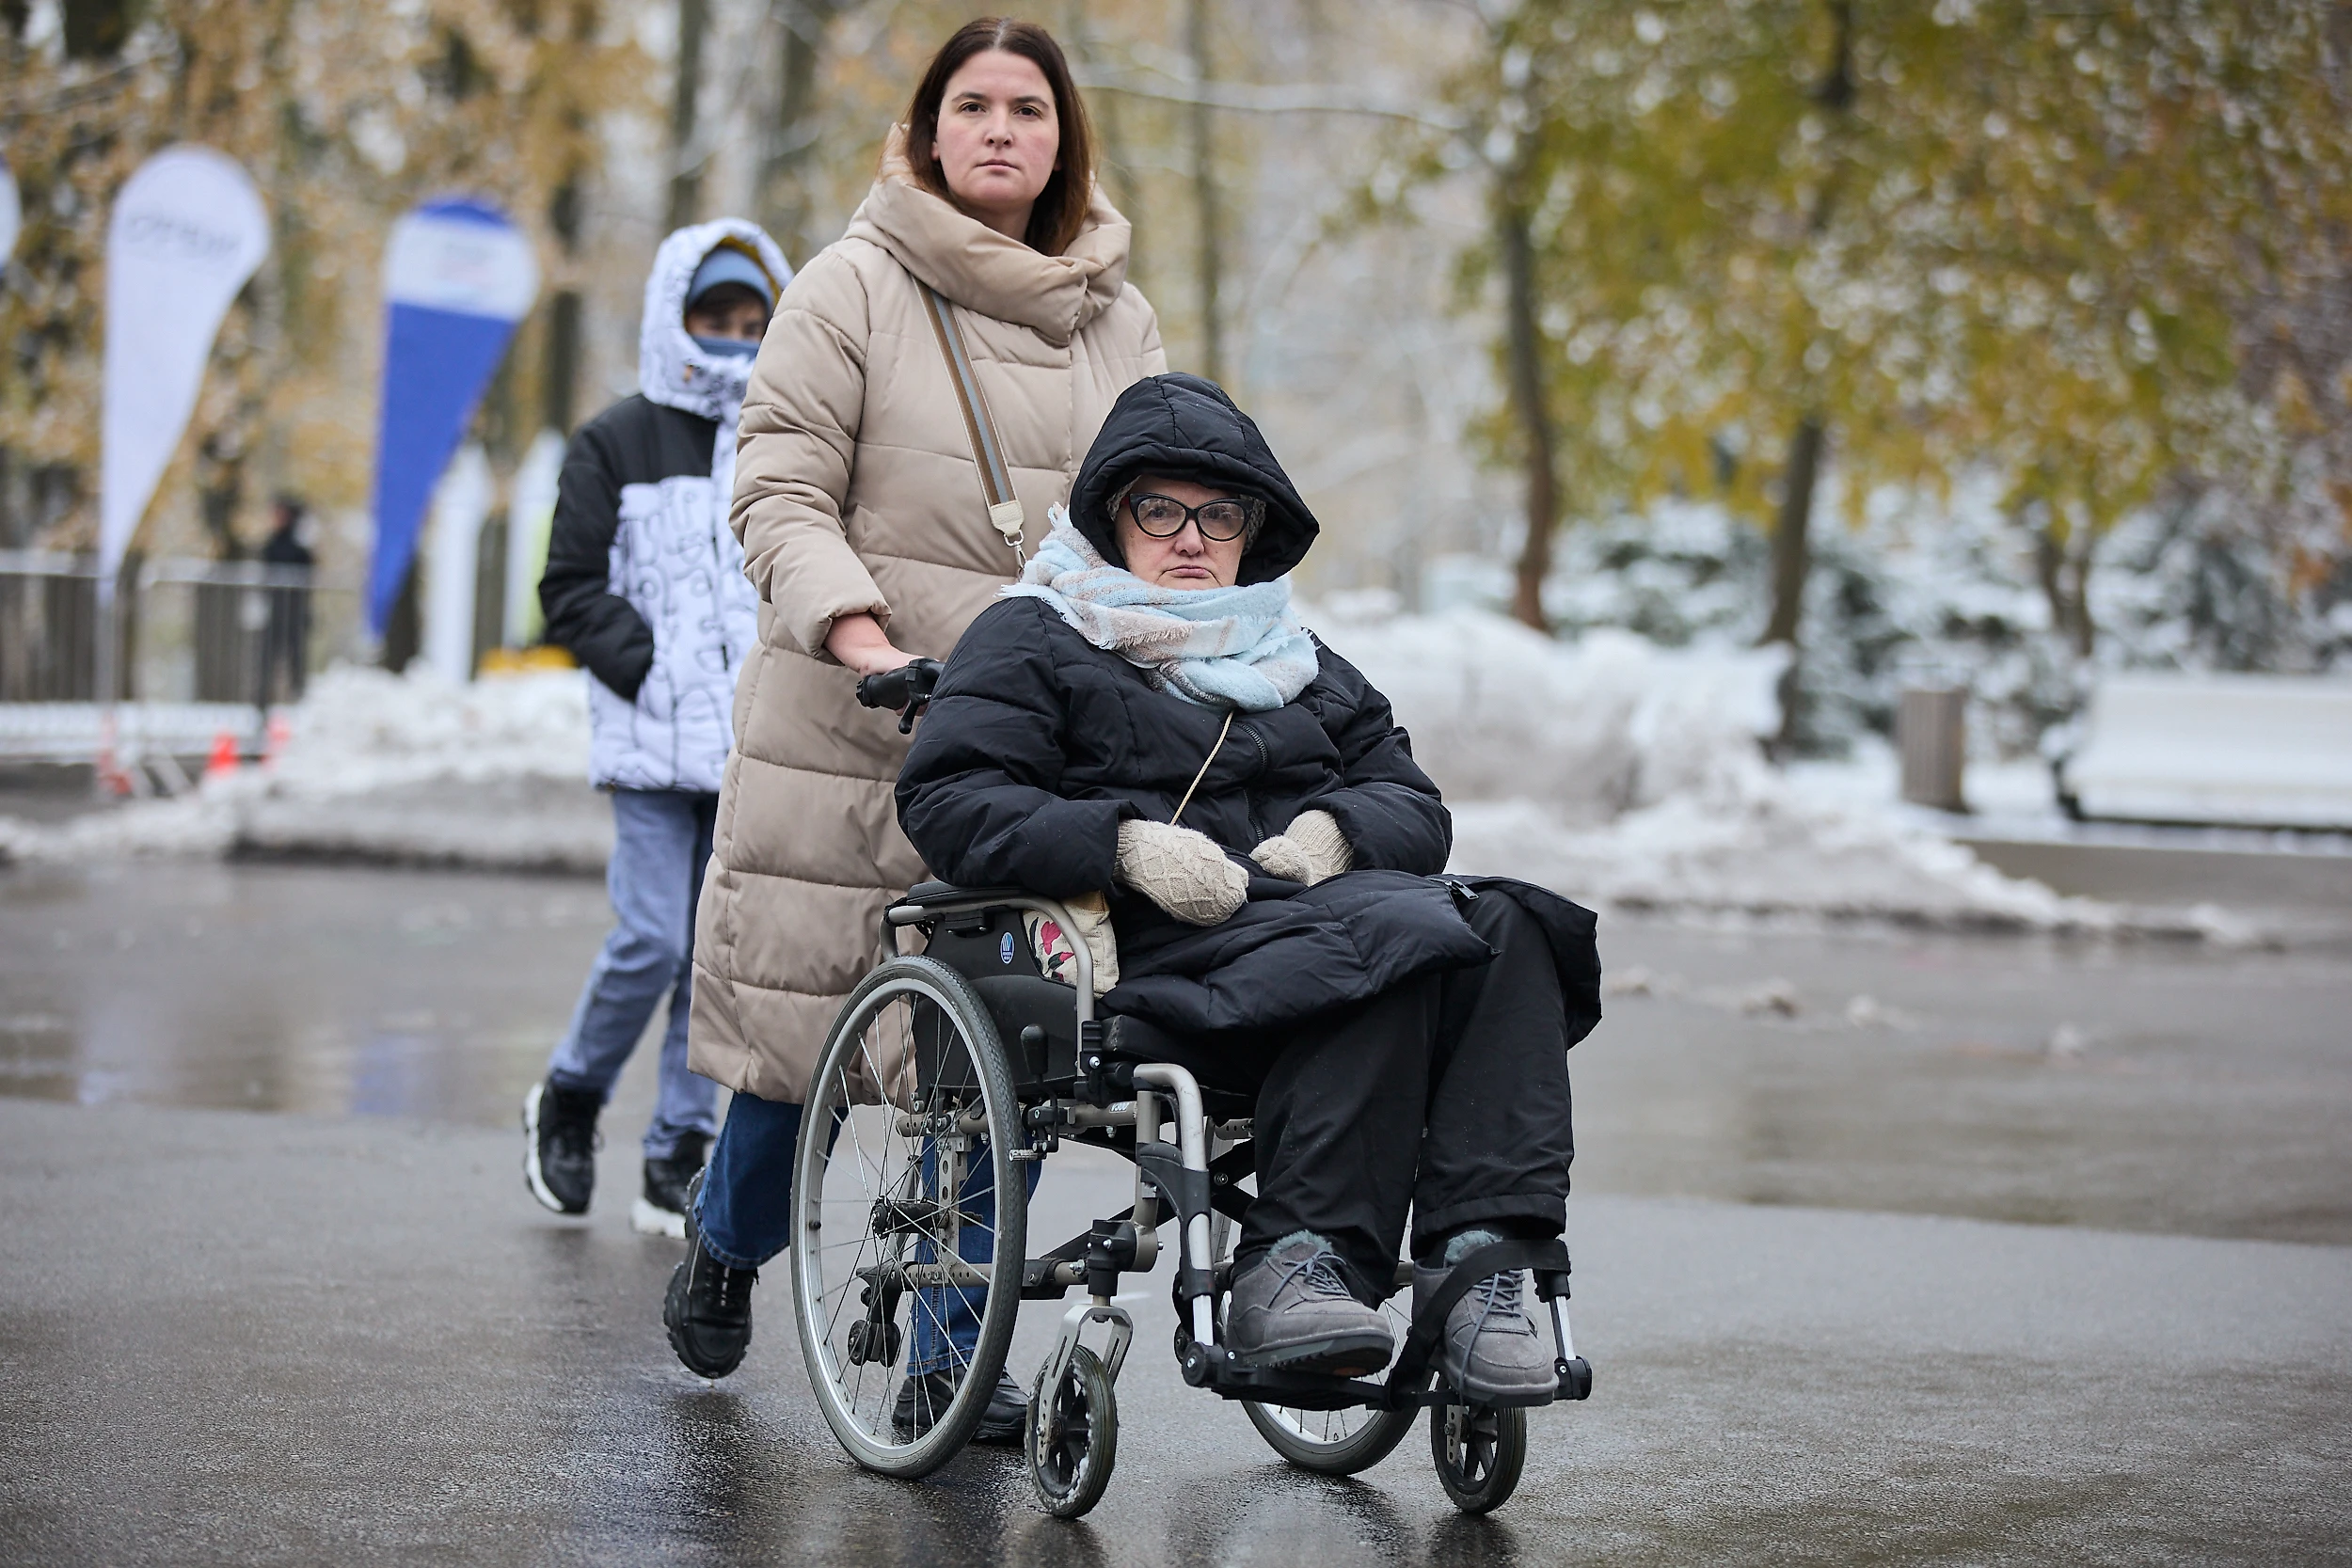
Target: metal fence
48	628
207	631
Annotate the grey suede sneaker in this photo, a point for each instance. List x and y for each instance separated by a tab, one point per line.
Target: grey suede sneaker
1292	1309
1492	1352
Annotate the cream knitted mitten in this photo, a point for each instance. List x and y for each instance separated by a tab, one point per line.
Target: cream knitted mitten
1312	849
1182	871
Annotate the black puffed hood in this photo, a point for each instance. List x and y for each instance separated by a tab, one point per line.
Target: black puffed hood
1186	428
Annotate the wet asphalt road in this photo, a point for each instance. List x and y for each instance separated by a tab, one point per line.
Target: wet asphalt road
339	1330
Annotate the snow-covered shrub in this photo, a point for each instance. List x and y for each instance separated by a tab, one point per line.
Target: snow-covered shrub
1922	589
1944	588
2211	581
1678	574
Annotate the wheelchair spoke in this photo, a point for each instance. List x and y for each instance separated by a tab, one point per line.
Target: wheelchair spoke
860	1167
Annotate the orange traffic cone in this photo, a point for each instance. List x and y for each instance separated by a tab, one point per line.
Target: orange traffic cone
274	747
113	782
223	761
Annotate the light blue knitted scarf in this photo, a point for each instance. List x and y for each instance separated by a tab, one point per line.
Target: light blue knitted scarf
1221	648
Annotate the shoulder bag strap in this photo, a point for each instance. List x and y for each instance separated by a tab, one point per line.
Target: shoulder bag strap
988	448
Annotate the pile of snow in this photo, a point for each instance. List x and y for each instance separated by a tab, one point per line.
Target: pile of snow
405	768
192	825
360	730
1626	774
1591	729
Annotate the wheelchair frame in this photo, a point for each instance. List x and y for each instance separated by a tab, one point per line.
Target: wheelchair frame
1104	1092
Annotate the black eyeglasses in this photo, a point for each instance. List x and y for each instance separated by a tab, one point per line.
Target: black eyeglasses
1165	517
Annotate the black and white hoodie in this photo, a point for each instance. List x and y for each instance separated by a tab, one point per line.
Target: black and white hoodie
645	579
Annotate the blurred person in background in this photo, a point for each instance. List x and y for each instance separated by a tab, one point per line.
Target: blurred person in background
863	517
286	634
644	585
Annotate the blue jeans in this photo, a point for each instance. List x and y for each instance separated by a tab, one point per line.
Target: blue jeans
948	1319
660	843
744	1217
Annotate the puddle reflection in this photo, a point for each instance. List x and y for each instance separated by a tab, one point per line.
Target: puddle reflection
324	990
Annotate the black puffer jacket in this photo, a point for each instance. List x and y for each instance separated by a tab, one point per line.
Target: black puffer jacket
1038	744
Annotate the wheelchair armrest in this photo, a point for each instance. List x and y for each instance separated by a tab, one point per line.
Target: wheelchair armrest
948	892
918	901
928	901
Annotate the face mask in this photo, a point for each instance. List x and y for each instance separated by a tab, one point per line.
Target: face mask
725	348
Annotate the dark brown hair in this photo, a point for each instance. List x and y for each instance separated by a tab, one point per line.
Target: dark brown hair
1061	206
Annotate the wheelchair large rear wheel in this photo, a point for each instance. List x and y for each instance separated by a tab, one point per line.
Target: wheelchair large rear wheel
1331	1442
1326	1442
907	1143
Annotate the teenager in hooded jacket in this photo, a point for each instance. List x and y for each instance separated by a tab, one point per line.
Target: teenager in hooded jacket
645	586
866	534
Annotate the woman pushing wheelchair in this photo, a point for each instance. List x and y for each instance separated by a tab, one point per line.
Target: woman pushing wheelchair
1142	729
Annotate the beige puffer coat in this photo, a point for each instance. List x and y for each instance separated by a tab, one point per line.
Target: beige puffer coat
855	490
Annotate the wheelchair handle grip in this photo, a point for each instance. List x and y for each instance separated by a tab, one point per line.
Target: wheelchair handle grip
906	690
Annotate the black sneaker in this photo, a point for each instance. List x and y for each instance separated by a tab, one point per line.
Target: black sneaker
923	1399
661	1211
560	1146
708	1313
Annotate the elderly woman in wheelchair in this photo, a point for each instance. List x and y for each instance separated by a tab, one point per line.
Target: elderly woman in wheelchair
1144	781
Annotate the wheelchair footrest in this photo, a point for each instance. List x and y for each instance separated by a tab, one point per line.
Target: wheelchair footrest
1216	1368
1443	1395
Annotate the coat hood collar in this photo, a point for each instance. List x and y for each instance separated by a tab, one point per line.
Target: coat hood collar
672	368
1185	426
976	267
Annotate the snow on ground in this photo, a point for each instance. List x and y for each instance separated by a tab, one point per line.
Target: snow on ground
1623	773
381	767
1620	772
362	730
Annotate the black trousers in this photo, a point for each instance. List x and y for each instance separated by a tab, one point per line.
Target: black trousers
1447	1096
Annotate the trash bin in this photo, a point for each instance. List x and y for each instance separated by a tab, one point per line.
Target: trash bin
1932	733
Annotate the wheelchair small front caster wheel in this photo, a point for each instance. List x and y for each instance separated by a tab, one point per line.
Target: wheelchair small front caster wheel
1072	1439
1479	1452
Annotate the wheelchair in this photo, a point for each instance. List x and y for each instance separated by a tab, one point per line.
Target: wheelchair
948	1077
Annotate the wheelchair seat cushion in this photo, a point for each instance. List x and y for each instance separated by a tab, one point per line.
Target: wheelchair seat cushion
1138	1039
